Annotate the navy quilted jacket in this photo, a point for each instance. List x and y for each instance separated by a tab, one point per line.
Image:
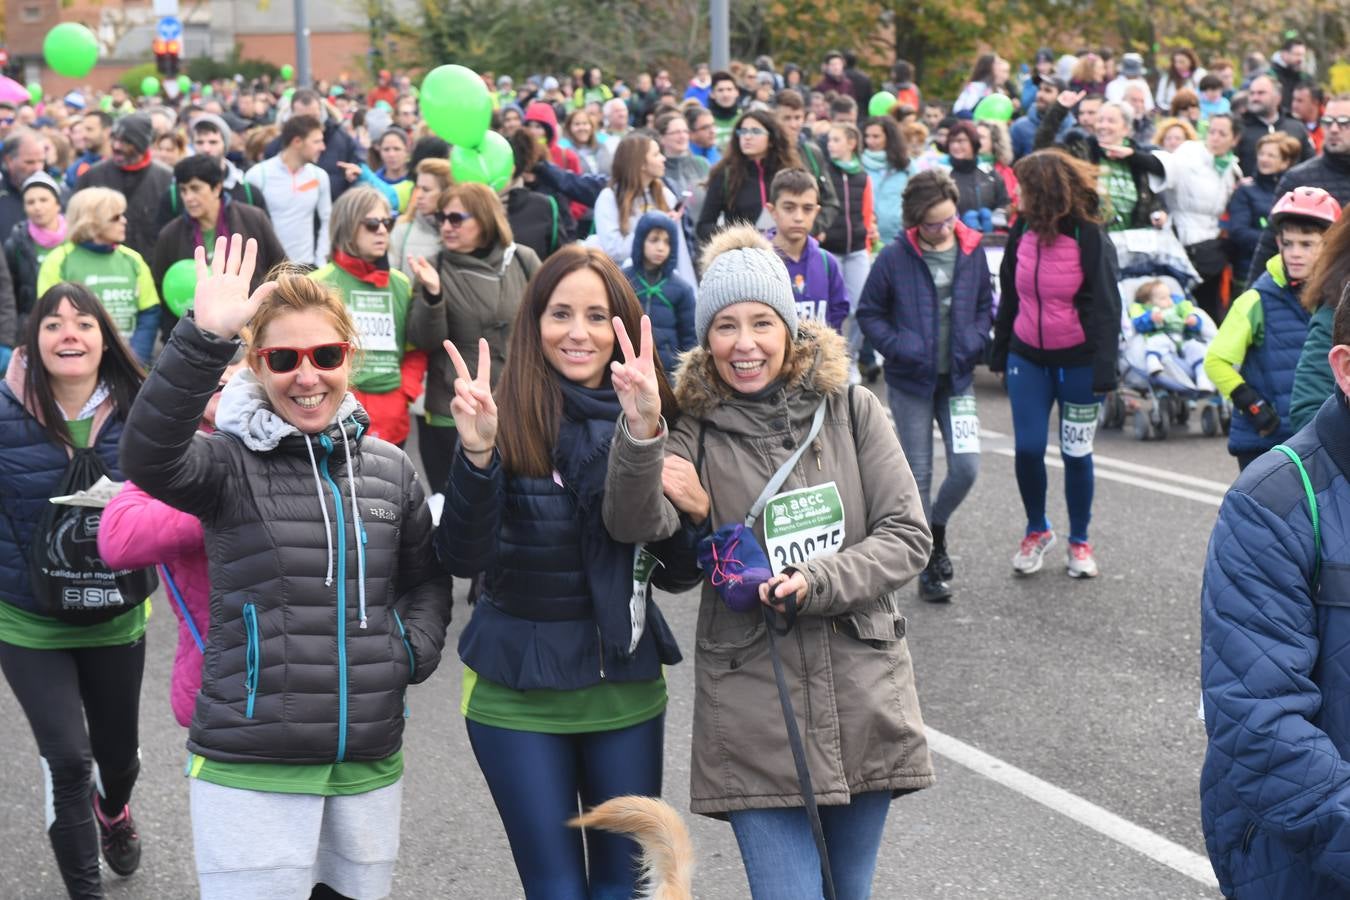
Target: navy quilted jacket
31	467
1275	666
1280	328
898	311
533	626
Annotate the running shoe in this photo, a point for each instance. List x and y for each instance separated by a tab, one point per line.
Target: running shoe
119	838
1081	563
1031	554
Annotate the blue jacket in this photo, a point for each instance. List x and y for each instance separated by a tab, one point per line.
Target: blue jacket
668	300
898	312
1271	360
1275	628
1248	210
533	626
888	189
31	467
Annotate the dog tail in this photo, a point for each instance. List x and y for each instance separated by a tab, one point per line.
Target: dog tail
667	851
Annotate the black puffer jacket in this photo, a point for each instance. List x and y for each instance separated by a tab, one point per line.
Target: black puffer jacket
1330	172
299	667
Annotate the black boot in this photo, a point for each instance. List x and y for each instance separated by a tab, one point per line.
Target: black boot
940	559
932	587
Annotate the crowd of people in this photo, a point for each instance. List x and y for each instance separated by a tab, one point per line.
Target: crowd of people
675	300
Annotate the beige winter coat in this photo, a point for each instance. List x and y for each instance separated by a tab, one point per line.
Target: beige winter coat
846	661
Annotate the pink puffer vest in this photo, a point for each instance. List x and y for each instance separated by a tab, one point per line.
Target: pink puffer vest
1048	277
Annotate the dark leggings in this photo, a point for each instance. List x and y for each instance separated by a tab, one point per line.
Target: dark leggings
536	779
436	445
59	691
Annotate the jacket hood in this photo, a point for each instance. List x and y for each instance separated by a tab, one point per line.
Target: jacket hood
545	115
817	362
644	228
245	413
968	239
98	407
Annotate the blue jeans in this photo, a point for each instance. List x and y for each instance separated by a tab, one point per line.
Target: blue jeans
914	417
536	780
780	856
1033	391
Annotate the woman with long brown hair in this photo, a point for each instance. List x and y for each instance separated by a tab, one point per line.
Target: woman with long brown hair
564	697
1056	338
1184	72
1322	293
636	188
738	186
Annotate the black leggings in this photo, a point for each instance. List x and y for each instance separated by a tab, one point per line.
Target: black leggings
59	690
436	444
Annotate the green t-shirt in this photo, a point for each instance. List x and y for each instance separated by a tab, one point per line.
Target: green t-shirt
381	316
942	267
607	706
121	280
25	629
336	779
1120	194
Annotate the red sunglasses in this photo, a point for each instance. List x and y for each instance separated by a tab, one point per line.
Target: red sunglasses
327	357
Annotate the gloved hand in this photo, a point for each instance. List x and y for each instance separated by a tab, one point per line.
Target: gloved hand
1258	409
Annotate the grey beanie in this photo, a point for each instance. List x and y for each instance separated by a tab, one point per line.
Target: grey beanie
136	130
741	265
214	121
41	179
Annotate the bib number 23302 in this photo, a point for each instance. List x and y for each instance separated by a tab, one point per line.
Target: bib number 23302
803	524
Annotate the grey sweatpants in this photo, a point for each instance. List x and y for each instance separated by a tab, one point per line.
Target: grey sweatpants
253	845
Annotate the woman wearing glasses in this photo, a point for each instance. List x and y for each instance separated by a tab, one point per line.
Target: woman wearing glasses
927	307
96	256
326	602
389	375
738	186
470	291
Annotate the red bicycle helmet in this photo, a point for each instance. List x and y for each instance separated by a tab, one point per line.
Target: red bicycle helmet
1311	203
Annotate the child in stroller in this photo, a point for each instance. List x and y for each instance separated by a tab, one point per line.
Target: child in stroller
1166	341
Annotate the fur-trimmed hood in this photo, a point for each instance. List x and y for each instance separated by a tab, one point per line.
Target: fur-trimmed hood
817	365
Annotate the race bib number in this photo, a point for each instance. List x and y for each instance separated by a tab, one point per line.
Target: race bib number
644	566
965	425
803	524
1078	428
373	312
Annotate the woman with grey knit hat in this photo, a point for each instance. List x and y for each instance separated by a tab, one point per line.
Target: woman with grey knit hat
842	534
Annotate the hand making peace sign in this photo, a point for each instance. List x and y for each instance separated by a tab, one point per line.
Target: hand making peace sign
635	381
474	409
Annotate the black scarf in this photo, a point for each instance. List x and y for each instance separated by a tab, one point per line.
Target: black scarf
963	165
581	456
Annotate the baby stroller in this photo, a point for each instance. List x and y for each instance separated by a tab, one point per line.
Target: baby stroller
1161	376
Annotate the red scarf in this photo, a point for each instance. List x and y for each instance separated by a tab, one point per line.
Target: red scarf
376	273
142	163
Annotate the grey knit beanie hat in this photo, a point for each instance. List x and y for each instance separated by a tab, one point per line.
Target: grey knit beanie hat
740	264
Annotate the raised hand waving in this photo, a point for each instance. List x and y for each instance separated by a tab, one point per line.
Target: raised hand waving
474	409
635	381
222	303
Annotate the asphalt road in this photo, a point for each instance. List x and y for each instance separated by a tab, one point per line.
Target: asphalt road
1079	697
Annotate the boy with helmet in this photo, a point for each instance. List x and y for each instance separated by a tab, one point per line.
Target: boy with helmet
1265	328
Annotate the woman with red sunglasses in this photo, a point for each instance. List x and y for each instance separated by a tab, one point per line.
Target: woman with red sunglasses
390	373
326	600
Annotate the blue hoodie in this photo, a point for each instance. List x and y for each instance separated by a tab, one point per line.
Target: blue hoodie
667	299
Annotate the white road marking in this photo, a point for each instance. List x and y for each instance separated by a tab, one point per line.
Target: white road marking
1148	484
1153	472
1085	812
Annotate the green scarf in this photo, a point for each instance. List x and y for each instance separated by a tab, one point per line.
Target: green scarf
851	165
1223	162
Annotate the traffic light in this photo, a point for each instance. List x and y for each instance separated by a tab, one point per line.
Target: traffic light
166	56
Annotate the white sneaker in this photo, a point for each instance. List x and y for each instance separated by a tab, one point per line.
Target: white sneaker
436	503
1081	563
1031	553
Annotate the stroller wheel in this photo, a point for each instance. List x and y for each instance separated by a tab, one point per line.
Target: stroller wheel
1141	425
1209	420
1158	417
1181	411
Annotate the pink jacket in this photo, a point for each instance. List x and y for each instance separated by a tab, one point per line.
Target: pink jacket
136	531
1049	276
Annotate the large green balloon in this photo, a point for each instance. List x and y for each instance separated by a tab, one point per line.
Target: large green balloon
287	72
456	105
70	49
180	284
491	162
184	84
208	91
34	92
994	108
881	103
149	86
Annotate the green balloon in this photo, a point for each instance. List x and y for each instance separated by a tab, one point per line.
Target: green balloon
34	92
881	103
287	72
456	105
180	284
288	93
149	86
994	108
208	91
492	162
184	84
105	103
70	49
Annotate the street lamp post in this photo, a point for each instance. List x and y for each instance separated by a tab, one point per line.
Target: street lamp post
719	28
302	69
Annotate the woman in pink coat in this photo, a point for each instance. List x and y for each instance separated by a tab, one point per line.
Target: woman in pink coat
136	531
